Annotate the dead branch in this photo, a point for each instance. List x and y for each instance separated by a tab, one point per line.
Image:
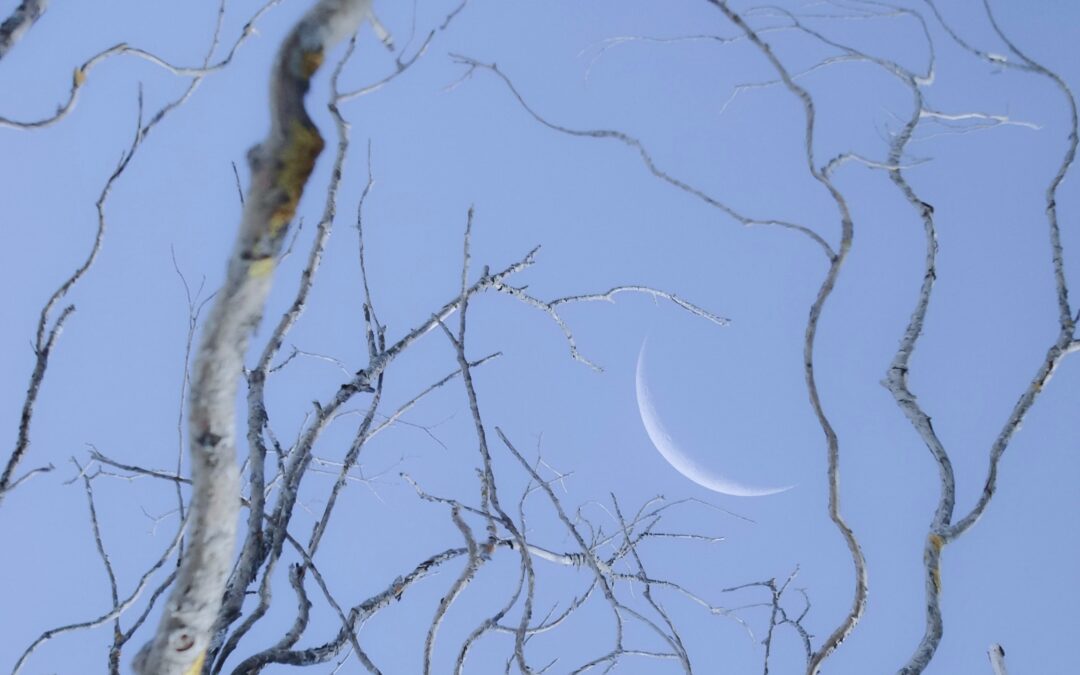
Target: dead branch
280	166
21	20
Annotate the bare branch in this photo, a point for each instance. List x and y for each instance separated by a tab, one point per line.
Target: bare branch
254	548
356	615
997	659
467	574
646	158
402	63
943	530
858	605
550	308
280	167
488	490
118	608
20	21
46	336
79	76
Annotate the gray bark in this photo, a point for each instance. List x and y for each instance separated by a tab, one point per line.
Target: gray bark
20	21
280	167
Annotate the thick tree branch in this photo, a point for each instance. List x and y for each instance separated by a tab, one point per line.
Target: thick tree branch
280	167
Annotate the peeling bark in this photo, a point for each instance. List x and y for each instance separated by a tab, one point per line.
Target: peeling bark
280	167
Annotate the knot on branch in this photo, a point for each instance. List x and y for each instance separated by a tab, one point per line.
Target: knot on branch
360	383
208	439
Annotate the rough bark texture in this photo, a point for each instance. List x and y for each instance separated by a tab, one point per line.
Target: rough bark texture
997	659
280	167
19	22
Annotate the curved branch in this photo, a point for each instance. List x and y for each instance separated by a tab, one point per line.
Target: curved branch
944	530
256	544
646	158
280	167
79	75
858	605
46	336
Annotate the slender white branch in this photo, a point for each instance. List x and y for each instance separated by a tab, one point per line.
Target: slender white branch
995	120
646	158
79	76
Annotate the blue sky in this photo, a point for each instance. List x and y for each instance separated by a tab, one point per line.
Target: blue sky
732	396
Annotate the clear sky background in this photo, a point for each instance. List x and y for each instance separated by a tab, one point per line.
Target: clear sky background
733	397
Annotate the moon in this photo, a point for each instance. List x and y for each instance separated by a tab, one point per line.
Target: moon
676	457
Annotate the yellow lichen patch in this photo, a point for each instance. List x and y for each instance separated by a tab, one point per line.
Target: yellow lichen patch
281	217
78	77
261	268
935	573
196	667
310	62
302	147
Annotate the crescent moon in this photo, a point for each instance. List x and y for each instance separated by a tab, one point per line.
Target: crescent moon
676	457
